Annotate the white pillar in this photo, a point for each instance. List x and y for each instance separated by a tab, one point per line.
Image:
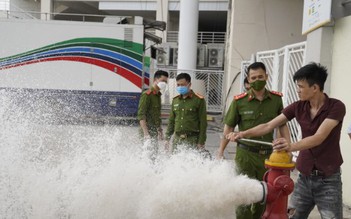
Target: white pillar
46	9
319	49
162	15
188	28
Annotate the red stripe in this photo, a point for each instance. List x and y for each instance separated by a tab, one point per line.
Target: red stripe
146	81
132	77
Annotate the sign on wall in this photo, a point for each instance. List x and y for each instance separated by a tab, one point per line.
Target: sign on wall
316	13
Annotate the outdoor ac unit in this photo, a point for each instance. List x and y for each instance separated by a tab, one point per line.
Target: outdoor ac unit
215	55
163	54
201	55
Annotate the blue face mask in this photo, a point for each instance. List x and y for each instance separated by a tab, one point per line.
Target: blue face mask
182	90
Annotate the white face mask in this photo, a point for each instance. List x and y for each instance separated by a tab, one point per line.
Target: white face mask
162	85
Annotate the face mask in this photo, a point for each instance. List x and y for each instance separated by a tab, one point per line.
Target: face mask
182	90
258	85
162	85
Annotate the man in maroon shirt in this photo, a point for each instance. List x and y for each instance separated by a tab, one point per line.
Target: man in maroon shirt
320	117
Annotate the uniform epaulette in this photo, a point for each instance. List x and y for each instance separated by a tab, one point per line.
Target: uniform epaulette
276	93
148	92
238	97
199	96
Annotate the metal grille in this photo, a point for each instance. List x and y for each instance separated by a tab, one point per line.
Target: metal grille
208	83
202	37
281	65
268	58
4	5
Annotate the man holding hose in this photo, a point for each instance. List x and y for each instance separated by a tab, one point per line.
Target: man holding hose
248	110
320	117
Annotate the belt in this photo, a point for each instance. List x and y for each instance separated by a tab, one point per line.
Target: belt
317	173
186	135
255	150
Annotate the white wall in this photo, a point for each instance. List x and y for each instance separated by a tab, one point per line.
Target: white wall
319	49
340	88
258	25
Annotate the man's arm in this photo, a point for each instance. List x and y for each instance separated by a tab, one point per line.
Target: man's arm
260	130
143	126
224	141
171	124
142	108
231	119
170	129
284	132
202	124
309	142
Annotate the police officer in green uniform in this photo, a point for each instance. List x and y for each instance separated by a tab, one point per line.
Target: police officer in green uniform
248	110
188	117
149	111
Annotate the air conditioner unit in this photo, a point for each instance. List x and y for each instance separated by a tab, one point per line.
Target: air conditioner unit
163	54
215	55
201	55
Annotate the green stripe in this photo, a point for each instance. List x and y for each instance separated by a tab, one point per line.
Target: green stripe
134	50
147	61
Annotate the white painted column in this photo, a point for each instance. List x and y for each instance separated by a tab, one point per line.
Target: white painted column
162	15
319	49
188	29
46	8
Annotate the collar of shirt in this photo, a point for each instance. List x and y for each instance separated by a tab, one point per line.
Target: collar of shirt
323	108
251	96
190	95
154	91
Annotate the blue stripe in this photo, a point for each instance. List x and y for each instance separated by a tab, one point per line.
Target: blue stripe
125	59
96	56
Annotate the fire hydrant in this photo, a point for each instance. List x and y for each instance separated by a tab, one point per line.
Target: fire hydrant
279	185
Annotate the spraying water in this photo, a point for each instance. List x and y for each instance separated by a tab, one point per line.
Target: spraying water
90	171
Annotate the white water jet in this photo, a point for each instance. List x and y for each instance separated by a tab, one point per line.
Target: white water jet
87	171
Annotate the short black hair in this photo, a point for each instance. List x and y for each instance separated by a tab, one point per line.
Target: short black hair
160	73
246	81
255	66
185	76
313	73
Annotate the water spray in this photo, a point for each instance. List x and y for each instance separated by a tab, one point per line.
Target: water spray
276	182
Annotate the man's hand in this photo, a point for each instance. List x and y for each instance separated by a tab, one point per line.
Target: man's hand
219	155
234	136
200	146
281	144
160	134
167	148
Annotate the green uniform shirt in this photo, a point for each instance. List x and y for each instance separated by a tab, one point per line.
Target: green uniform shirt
246	111
150	109
188	116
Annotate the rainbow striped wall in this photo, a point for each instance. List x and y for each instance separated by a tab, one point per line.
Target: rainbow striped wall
125	58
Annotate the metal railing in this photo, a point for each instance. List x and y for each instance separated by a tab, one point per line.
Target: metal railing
20	14
281	64
11	10
208	83
202	37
